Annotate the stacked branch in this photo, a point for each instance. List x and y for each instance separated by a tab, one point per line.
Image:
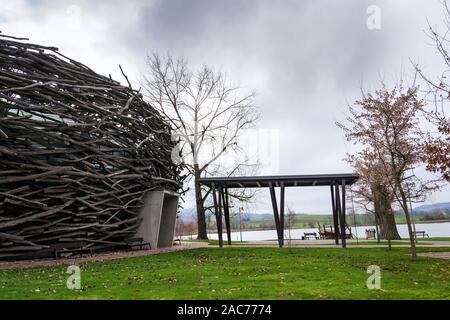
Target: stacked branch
78	152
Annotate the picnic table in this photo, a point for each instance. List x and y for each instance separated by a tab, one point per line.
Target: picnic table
308	235
420	233
371	234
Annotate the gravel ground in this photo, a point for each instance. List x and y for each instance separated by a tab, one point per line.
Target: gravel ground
97	257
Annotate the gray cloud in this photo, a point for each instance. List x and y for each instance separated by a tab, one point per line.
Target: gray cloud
306	59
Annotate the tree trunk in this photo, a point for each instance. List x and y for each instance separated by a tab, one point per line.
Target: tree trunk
383	214
377	228
388	228
404	205
202	232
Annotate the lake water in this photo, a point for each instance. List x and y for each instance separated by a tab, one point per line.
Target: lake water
432	229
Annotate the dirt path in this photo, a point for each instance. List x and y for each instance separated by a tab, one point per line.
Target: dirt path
97	257
331	244
440	255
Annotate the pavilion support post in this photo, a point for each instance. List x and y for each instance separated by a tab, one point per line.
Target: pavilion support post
275	214
335	216
282	192
339	213
342	217
218	211
226	211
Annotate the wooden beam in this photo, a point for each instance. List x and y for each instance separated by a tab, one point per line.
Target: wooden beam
226	210
282	192
339	210
342	217
335	216
275	214
217	207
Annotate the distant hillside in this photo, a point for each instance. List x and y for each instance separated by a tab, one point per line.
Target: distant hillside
188	214
432	208
258	216
435	211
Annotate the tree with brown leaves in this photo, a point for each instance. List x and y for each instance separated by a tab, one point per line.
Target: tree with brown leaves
437	145
386	124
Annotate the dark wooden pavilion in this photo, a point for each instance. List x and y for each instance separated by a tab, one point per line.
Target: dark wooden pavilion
337	182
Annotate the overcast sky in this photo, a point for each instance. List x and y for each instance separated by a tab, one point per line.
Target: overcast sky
305	59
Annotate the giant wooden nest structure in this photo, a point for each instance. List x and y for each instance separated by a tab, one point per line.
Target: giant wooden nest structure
78	152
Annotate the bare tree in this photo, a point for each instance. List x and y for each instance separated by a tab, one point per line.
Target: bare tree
386	124
209	116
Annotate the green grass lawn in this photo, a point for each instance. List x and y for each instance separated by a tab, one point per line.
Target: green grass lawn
241	273
361	241
374	242
433	239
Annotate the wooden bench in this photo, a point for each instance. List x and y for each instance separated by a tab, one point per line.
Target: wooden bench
308	235
371	234
132	243
421	233
71	248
